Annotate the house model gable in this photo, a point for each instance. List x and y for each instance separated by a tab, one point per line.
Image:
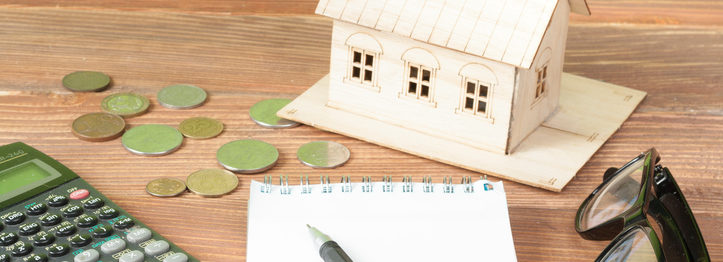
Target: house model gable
508	31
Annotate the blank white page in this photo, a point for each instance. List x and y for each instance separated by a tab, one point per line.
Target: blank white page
381	226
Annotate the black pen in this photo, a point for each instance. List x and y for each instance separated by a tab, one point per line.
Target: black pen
329	250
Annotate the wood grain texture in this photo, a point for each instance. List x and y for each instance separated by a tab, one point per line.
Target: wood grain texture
243	59
690	12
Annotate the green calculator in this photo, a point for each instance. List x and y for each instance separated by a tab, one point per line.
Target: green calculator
48	213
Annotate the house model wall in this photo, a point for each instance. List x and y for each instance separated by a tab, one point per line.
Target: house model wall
484	73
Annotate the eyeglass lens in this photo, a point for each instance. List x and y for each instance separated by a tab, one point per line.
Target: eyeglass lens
616	197
635	246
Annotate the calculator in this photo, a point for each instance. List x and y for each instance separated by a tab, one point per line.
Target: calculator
48	213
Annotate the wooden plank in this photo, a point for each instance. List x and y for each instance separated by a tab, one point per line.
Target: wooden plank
692	12
243	59
353	10
535	162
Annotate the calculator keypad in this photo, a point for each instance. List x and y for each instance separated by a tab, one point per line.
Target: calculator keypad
80	225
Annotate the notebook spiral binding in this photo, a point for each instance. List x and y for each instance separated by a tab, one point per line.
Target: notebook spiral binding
367	186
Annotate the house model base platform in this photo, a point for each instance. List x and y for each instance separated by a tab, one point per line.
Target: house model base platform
589	112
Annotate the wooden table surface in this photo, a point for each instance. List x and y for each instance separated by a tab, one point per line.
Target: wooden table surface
247	50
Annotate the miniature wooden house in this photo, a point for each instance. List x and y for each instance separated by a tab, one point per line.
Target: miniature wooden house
484	73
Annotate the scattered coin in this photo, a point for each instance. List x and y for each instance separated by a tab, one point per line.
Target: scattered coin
200	127
125	104
247	156
152	140
166	187
97	127
181	96
86	81
323	154
264	113
212	182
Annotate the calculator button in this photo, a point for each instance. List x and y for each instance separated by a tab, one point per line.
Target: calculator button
58	201
43	239
50	220
177	257
79	194
66	230
157	247
108	213
4	258
102	231
21	249
93	203
139	235
79	240
37	258
14	218
90	255
8	238
133	256
113	246
29	229
72	211
58	250
37	209
124	223
87	221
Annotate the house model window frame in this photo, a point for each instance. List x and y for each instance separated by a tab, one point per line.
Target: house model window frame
367	46
422	60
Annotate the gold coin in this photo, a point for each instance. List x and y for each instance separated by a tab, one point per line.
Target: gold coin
97	127
200	127
166	187
212	182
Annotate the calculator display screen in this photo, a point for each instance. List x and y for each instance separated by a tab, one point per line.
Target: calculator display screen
25	176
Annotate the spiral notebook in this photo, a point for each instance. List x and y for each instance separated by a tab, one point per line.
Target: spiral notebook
381	221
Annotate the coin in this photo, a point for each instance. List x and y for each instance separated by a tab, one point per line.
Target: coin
247	156
152	140
166	187
98	126
323	154
212	182
125	104
86	81
264	113
181	96
200	127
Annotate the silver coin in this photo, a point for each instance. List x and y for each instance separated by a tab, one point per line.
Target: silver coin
264	113
247	156
323	154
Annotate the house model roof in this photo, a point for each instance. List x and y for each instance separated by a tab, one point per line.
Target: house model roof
508	31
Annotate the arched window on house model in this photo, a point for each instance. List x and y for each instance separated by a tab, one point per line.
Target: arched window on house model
419	74
478	82
364	52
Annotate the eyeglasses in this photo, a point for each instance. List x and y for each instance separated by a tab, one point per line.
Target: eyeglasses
641	208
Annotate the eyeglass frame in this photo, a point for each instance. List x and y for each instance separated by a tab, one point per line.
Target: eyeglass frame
659	210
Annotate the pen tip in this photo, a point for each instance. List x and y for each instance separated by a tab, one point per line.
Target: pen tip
307	225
